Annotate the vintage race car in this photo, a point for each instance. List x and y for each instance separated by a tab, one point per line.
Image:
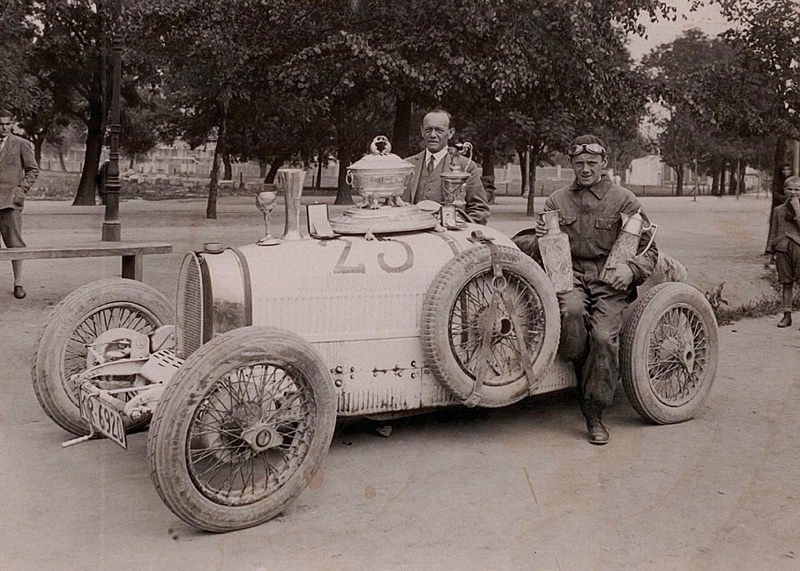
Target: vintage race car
268	345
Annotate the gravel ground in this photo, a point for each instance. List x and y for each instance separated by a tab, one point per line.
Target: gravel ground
511	488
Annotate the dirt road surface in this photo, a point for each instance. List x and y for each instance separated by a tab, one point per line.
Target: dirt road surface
512	488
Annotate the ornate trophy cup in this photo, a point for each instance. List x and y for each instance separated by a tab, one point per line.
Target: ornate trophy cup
455	180
454	186
380	177
265	201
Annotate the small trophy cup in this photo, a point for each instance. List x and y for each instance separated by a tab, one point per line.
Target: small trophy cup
265	201
454	182
454	185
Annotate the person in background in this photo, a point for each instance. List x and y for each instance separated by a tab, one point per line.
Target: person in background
784	244
437	130
18	172
591	313
778	198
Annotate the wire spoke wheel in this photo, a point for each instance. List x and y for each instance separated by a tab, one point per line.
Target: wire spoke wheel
241	428
669	353
252	430
476	323
75	337
678	355
77	357
469	326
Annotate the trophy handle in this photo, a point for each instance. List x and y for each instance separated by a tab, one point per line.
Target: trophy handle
654	228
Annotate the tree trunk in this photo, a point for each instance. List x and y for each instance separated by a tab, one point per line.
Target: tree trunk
38	141
487	164
343	193
777	175
714	179
61	160
742	172
211	207
91	162
732	180
402	127
679	181
722	177
318	178
535	152
226	160
276	163
522	151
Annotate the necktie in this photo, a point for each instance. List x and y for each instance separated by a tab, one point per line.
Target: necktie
430	165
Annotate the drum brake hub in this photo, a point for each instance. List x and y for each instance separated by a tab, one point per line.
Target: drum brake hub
261	437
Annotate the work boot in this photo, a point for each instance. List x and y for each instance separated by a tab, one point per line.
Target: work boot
19	292
786	321
597	432
593	413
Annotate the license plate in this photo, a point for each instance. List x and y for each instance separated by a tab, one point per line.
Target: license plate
105	419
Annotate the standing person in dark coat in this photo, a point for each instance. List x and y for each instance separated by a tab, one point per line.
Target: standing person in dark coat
18	172
591	313
778	198
434	160
784	243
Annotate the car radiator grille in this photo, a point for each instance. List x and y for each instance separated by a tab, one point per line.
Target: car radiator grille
190	322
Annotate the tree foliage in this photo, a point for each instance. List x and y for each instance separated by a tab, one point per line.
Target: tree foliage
16	85
726	96
68	60
294	80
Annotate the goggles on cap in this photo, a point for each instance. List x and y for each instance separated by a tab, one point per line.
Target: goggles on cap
591	148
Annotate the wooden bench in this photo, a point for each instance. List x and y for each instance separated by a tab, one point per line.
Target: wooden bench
132	253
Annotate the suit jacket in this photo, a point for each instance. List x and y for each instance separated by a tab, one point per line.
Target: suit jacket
784	228
18	172
477	205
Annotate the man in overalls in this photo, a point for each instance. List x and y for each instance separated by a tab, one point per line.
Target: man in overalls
591	313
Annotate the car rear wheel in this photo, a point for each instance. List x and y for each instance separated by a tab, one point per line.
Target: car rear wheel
241	429
669	353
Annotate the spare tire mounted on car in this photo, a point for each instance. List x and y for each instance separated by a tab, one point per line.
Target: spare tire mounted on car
490	325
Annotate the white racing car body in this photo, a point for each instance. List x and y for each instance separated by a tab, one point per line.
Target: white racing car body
272	343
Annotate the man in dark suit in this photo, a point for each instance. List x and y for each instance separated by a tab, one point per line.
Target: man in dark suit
434	160
18	172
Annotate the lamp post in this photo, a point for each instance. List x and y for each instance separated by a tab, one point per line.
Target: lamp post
111	224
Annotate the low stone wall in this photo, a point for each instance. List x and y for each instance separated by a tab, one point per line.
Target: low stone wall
62	187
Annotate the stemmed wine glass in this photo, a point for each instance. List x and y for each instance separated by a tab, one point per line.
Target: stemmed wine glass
265	201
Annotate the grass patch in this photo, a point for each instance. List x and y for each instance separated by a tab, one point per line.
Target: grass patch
767	304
